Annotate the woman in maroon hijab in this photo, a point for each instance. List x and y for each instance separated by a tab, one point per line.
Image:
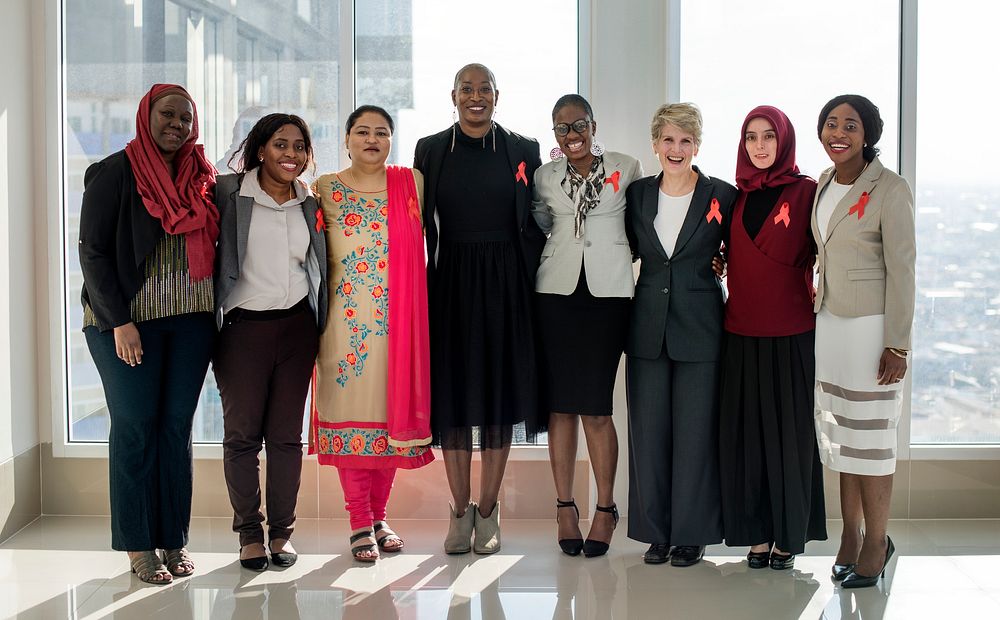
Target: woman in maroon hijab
148	228
772	483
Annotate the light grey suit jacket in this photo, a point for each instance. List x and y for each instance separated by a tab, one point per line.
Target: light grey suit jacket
603	250
866	263
234	232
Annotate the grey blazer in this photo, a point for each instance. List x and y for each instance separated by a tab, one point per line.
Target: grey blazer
603	249
866	263
234	231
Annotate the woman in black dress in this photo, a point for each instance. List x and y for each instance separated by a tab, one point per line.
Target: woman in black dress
481	270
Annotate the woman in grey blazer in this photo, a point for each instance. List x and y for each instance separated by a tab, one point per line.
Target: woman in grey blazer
863	225
271	302
583	287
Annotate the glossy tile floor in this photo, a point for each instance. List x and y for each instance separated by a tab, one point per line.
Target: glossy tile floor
60	567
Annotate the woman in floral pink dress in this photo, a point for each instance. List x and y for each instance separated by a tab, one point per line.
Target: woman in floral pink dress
371	405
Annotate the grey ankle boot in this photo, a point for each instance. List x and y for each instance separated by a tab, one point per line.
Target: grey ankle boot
488	532
459	535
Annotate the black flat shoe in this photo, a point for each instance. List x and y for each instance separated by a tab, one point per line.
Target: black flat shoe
758	559
782	561
687	555
856	580
594	548
569	546
842	570
658	553
283	559
258	564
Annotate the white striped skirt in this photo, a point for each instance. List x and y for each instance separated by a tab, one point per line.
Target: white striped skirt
856	419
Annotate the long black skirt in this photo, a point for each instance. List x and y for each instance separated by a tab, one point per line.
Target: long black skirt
484	377
772	480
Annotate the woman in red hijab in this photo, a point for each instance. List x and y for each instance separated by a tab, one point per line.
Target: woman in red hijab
147	245
772	482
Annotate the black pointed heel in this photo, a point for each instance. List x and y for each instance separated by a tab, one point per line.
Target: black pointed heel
569	546
856	580
595	548
842	570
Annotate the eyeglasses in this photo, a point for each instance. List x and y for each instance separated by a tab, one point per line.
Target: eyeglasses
579	126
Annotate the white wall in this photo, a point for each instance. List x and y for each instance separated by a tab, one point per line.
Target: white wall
18	144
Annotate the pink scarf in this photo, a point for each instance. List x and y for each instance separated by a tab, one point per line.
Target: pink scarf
408	393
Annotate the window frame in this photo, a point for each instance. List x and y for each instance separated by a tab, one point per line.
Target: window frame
55	196
56	424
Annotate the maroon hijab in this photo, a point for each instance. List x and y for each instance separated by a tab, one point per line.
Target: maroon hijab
183	204
784	171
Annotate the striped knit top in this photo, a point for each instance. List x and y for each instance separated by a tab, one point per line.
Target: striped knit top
167	289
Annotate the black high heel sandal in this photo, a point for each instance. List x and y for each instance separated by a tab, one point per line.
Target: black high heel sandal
569	546
857	580
594	548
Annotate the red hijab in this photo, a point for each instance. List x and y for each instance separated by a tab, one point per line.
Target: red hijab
783	171
183	204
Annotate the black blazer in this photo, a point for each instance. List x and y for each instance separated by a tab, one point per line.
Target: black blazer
428	157
117	233
235	213
678	299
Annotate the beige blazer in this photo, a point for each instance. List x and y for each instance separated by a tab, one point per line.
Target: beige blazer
603	249
866	264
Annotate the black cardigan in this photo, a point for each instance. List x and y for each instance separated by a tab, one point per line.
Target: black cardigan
117	233
521	151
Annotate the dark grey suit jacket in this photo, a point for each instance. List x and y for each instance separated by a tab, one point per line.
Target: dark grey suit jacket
678	299
234	231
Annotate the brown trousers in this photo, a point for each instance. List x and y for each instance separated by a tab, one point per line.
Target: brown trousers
263	362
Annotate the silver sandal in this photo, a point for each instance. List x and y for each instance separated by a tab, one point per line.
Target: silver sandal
148	568
176	559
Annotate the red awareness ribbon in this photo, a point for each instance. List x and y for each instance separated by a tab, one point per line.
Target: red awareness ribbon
713	212
859	206
320	222
613	180
521	176
782	215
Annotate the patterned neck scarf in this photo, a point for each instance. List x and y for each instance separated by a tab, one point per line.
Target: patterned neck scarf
584	192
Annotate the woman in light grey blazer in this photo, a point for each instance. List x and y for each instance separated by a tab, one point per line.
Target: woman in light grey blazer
584	284
863	226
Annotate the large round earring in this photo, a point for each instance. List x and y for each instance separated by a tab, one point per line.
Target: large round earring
556	154
596	148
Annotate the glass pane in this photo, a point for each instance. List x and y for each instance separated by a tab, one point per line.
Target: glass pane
238	63
792	55
395	41
956	366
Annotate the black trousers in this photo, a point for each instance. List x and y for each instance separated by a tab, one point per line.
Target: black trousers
263	363
152	406
673	436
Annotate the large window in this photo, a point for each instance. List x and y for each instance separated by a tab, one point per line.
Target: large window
239	62
796	56
243	60
956	379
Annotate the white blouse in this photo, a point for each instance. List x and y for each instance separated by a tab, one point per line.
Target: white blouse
670	214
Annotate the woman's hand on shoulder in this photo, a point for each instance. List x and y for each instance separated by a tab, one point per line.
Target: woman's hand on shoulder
128	345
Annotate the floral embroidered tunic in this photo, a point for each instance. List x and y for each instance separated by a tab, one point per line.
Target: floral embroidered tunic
348	424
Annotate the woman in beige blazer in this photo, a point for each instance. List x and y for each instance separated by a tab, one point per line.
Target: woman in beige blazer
583	287
863	225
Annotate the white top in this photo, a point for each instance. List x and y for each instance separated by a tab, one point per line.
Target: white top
670	214
828	201
273	274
